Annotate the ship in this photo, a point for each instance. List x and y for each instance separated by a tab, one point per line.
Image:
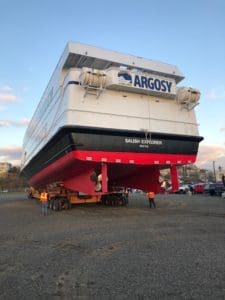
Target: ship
110	119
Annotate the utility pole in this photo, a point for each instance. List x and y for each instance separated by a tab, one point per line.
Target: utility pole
214	171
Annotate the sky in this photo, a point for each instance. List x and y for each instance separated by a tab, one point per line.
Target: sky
188	34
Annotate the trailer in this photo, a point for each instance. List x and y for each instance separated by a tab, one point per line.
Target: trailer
60	198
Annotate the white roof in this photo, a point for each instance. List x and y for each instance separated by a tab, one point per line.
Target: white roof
80	55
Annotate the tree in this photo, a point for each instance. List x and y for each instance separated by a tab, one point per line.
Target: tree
12	181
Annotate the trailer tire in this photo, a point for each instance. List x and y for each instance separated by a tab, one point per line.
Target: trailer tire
124	201
67	204
55	205
59	204
51	204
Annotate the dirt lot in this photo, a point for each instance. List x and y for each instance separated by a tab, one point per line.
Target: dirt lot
176	251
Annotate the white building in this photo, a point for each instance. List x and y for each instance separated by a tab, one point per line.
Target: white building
4	168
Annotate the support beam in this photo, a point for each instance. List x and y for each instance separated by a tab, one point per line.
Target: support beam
174	178
104	178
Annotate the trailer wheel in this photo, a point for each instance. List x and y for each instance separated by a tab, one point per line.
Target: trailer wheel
112	201
66	204
107	201
60	204
103	200
50	204
55	205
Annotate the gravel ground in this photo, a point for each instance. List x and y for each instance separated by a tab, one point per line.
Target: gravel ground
176	251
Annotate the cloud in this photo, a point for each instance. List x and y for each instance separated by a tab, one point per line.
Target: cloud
11	154
13	123
7	95
216	93
6	88
2	108
209	153
25	89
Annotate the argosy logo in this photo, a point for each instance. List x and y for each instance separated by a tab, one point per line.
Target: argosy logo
150	83
154	84
125	78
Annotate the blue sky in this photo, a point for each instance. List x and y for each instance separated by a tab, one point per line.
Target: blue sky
189	34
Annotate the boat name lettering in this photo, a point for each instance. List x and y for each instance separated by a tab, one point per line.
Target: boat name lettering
143	141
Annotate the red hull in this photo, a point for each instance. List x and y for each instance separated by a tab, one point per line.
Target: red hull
136	170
